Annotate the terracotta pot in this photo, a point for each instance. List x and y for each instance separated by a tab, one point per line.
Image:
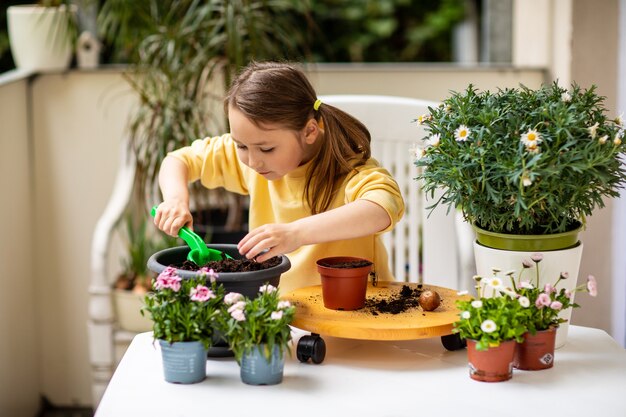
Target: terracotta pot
537	351
492	365
343	287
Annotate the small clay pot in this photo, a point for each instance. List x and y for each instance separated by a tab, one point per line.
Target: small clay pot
492	365
344	281
536	352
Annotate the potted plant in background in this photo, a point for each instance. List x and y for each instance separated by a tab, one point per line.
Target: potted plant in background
42	35
525	167
184	314
258	333
135	280
491	325
545	304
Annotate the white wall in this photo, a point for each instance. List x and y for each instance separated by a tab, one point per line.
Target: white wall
19	379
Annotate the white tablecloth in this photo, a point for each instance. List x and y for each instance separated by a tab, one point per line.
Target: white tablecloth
373	378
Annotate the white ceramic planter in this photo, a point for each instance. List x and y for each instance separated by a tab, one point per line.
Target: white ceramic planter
553	263
39	37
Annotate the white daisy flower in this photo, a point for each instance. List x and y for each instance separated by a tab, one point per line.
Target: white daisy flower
619	120
524	301
464	292
593	130
526	180
617	141
533	148
434	139
603	139
532	137
526	284
494	282
488	326
477	304
466	315
566	96
462	133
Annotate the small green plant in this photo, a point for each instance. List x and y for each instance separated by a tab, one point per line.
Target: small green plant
252	323
490	320
520	160
184	310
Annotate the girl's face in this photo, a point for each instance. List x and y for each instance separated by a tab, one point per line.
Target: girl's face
272	151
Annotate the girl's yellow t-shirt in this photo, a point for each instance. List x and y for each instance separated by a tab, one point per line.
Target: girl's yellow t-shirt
214	162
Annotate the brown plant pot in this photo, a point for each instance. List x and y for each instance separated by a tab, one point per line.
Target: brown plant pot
344	281
492	365
537	351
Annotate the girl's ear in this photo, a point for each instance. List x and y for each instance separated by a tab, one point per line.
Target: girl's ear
312	130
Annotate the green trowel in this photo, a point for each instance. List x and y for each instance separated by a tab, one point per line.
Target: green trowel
199	254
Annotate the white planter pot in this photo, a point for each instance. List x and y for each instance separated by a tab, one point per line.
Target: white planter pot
39	37
127	311
554	262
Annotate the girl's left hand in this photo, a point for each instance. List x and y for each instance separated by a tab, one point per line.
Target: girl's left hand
269	240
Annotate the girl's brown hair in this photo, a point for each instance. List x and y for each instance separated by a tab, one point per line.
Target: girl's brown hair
279	93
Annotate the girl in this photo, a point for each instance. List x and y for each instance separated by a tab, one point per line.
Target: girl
314	189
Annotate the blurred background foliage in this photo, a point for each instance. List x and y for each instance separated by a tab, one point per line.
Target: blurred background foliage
331	30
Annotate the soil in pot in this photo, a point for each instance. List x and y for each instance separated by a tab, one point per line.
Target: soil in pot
231	265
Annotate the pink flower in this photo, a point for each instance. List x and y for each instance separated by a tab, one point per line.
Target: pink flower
537	257
564	275
569	294
527	264
232	297
168	279
276	315
543	300
209	272
239	305
238	315
556	305
267	288
592	286
549	289
283	304
201	293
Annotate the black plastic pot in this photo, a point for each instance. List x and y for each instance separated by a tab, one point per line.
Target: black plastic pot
246	283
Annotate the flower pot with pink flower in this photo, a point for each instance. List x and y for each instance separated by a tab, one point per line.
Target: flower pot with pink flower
258	333
184	314
543	311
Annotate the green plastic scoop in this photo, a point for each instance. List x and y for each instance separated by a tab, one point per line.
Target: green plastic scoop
199	253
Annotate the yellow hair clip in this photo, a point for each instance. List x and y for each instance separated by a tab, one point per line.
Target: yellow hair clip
317	104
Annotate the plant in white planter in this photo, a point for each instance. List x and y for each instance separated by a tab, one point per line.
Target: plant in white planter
42	35
525	167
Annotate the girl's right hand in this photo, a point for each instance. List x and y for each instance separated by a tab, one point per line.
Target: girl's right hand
171	215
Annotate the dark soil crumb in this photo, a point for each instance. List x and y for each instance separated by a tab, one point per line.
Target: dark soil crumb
350	264
397	303
232	265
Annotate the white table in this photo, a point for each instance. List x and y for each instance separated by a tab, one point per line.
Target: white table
369	378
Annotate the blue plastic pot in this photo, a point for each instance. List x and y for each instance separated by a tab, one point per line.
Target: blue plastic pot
183	362
256	369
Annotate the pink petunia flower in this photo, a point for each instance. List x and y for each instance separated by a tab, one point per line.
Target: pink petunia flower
592	286
209	272
267	288
232	298
556	305
543	300
536	257
238	315
201	293
168	279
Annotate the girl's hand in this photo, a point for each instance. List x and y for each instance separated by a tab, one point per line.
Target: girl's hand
270	240
171	215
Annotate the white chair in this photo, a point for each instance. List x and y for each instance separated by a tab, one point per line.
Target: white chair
436	248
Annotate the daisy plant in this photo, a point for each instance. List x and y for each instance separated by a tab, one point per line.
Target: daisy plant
522	161
544	303
184	310
258	323
490	320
